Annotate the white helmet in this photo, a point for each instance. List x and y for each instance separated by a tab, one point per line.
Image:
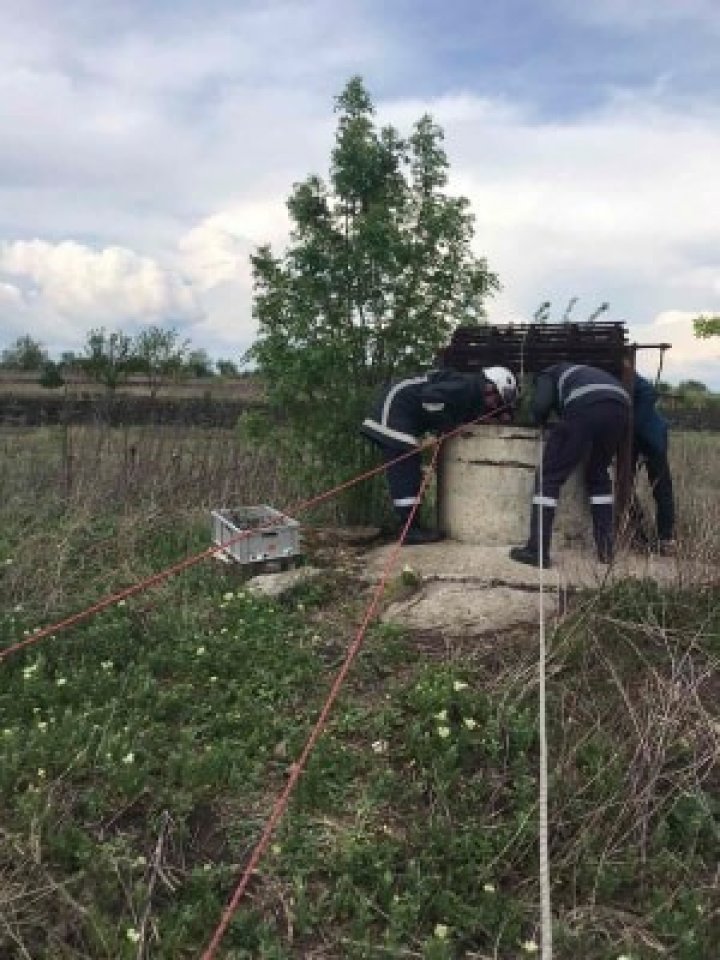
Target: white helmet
505	382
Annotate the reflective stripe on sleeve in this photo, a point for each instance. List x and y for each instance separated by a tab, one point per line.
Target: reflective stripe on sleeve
603	498
390	433
406	502
393	392
595	387
563	377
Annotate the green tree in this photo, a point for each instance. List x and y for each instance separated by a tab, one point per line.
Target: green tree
707	326
692	386
159	355
199	364
107	358
226	368
51	376
378	271
25	354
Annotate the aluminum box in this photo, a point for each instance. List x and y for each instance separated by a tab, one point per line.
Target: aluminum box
260	534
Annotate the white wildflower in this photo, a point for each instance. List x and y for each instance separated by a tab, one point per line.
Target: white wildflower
442	716
132	934
529	946
60	682
213	679
489	887
441	931
200	651
443	732
469	723
129	757
229	595
107	664
459	685
42	726
380	746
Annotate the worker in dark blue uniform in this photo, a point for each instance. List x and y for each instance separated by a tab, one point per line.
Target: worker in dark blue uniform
433	402
593	410
650	446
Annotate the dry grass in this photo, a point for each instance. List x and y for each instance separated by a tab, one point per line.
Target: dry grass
85	509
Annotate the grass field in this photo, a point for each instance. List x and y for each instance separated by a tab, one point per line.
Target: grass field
141	752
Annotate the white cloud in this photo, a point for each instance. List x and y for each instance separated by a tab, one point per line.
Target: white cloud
689	358
619	205
83	287
217	250
151	153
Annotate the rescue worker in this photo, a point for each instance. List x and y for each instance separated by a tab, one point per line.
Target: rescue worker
650	444
433	402
593	410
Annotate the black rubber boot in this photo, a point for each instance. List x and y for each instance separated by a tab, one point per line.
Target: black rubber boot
529	556
417	534
531	552
602	515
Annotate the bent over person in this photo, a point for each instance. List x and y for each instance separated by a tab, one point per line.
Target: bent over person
593	410
650	446
433	402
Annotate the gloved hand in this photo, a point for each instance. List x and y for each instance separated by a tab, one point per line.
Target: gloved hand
496	410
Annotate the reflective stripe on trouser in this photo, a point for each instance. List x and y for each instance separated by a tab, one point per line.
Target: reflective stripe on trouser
602	517
542	516
404	480
601	506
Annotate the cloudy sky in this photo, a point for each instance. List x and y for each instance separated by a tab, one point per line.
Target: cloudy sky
146	147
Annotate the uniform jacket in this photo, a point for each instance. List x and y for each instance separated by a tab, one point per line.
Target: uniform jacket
649	428
430	403
568	387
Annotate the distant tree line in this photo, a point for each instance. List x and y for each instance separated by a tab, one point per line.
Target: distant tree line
110	357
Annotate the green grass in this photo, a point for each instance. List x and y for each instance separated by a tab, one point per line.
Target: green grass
412	832
141	753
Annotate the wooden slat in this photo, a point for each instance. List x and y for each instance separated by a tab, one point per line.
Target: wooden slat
532	347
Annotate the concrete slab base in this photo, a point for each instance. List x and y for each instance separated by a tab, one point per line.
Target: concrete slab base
461	609
471	589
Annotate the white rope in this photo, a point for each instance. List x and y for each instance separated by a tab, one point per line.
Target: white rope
545	907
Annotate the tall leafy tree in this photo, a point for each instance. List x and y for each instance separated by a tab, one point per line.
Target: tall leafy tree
707	326
160	355
107	357
378	271
25	354
199	364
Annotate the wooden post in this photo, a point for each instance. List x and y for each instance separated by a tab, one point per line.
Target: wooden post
624	469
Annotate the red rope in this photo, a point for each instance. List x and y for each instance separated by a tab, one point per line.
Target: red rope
190	561
282	801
